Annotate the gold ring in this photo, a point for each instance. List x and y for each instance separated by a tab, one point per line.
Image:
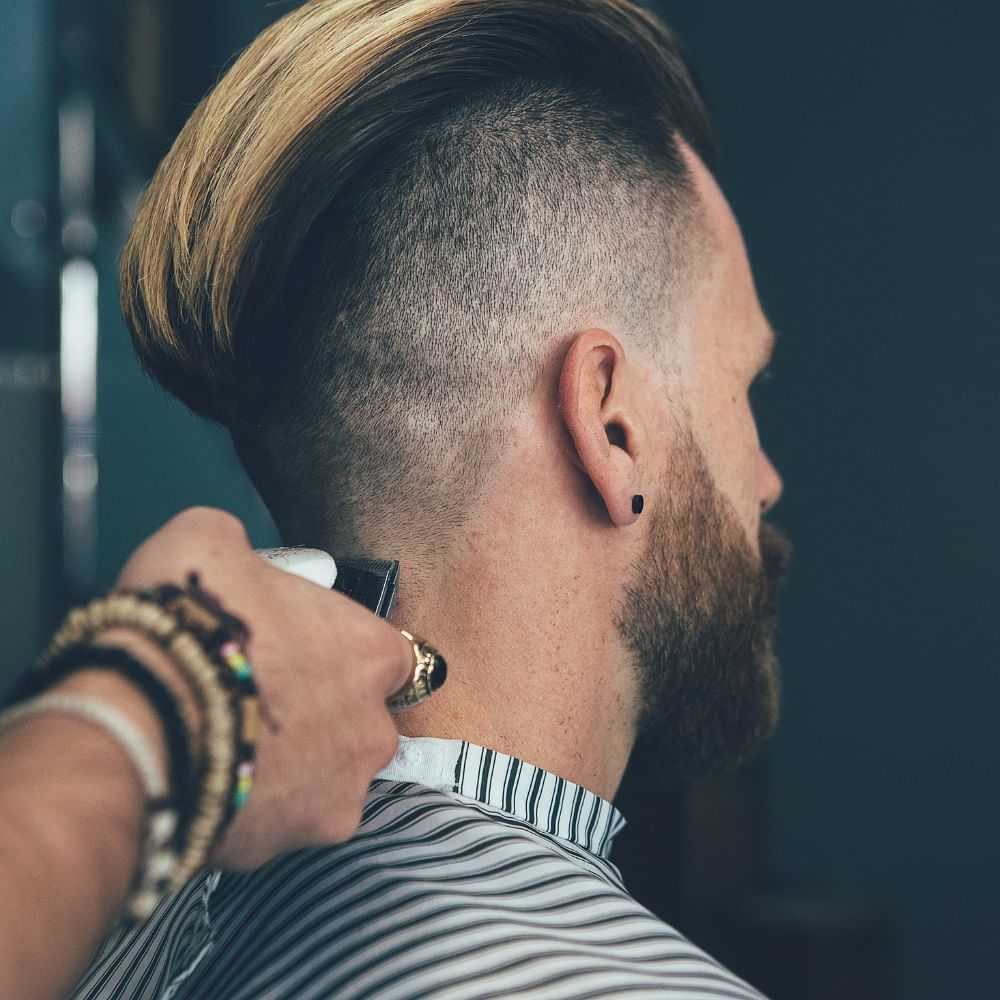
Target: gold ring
429	672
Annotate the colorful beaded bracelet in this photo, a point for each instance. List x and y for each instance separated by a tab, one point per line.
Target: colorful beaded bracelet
223	637
206	644
248	727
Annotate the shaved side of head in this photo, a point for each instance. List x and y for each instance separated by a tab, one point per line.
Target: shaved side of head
384	222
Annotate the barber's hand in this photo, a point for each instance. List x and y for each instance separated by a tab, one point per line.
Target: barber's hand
324	666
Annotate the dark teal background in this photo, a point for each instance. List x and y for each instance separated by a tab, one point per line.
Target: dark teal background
156	456
861	151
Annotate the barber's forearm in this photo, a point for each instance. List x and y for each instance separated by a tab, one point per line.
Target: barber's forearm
71	810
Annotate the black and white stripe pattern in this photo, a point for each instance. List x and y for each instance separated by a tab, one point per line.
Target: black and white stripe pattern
554	804
473	875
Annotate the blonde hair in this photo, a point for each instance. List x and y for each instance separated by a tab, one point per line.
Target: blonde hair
291	184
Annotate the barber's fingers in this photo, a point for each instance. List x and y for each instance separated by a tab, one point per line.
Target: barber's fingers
405	669
194	539
409	675
390	658
384	662
403	666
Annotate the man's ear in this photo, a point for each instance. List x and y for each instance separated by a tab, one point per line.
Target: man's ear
598	410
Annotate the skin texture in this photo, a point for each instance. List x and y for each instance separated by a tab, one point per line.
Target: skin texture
526	607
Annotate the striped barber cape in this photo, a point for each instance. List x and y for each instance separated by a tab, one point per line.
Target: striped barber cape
473	875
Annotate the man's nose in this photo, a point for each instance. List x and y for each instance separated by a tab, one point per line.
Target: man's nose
771	486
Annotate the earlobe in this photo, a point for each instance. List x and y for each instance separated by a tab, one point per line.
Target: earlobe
599	415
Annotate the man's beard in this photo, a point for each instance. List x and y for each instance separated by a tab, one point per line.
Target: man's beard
699	616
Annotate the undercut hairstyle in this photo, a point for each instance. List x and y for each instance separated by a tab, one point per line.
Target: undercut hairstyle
385	222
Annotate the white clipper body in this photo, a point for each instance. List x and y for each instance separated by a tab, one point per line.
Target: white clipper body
314	565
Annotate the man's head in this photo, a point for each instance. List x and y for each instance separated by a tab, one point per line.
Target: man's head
377	231
405	243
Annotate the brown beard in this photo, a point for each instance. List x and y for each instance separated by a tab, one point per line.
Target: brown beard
699	616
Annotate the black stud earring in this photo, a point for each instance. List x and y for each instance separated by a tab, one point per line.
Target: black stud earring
638	502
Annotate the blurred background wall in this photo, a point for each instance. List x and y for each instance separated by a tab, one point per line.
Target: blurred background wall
861	145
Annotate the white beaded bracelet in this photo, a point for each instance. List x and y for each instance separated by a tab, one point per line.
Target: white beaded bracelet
158	863
121	729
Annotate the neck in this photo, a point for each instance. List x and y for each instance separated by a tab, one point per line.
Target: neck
535	668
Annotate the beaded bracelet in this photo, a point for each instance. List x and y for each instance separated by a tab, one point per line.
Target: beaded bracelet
77	658
152	880
207	825
222	636
125	611
201	642
229	710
